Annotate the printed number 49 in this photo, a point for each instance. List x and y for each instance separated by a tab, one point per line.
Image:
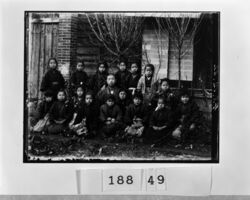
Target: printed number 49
160	180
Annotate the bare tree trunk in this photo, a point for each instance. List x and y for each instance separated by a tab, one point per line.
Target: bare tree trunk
179	67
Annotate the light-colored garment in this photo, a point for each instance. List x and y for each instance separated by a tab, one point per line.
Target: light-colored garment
147	93
41	124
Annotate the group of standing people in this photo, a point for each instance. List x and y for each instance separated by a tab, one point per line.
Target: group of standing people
121	105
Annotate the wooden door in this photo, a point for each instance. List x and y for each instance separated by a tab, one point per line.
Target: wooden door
44	38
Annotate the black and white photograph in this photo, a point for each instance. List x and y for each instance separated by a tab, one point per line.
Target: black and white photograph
121	86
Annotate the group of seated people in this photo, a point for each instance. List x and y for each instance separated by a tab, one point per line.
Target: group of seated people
122	106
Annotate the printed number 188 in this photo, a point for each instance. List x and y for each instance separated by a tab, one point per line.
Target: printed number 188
120	180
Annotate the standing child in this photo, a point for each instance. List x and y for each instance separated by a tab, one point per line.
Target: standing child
85	118
146	84
42	112
79	77
123	75
136	116
160	123
110	117
189	118
53	79
99	79
60	114
134	78
110	89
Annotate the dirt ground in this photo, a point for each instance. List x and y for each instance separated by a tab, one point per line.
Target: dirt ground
99	149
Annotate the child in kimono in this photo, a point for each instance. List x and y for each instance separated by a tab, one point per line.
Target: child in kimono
146	84
123	101
53	79
98	81
168	95
42	112
60	114
110	117
136	116
123	75
189	119
110	89
76	125
79	77
160	124
85	119
134	78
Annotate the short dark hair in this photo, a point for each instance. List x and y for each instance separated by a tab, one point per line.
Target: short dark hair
80	61
152	67
52	58
164	80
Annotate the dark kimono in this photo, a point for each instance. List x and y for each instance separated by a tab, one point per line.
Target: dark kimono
160	118
171	102
133	81
79	78
43	109
188	114
110	112
105	92
52	80
122	79
97	82
123	104
133	111
91	113
60	115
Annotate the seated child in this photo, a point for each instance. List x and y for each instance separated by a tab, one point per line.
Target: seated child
123	101
99	78
123	75
110	117
160	122
60	114
146	84
136	116
134	78
85	118
79	77
42	112
110	89
167	93
77	103
189	118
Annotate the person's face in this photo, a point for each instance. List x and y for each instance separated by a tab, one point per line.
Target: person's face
111	80
61	96
160	104
79	66
148	72
122	95
88	99
134	68
137	101
164	86
110	102
101	68
52	64
184	99
79	92
122	66
48	99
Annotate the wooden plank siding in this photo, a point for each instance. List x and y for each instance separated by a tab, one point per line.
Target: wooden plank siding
43	46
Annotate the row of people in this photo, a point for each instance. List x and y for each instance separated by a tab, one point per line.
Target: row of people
124	78
114	112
